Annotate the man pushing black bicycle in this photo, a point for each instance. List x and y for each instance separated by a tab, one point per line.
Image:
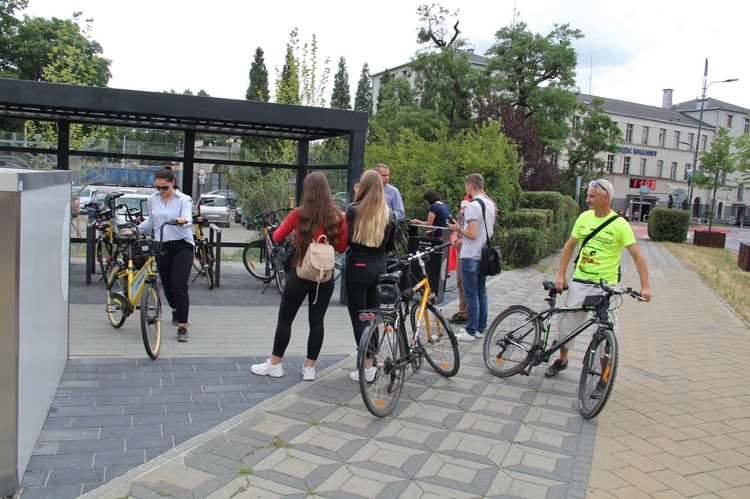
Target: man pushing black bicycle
603	234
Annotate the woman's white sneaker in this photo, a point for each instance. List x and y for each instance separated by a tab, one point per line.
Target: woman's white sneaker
268	369
308	373
369	374
463	335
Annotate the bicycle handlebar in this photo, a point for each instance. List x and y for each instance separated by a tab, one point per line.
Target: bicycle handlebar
614	290
416	256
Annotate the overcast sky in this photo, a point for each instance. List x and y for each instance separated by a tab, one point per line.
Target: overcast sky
631	50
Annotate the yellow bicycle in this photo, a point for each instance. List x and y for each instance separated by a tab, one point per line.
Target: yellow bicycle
133	285
391	349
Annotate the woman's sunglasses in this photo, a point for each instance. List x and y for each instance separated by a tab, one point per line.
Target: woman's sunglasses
162	187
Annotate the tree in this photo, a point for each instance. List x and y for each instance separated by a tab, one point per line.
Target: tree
38	41
287	85
719	162
312	86
536	74
340	96
258	88
397	110
538	173
363	98
8	31
592	132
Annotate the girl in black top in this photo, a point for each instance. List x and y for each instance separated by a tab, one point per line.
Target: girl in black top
372	232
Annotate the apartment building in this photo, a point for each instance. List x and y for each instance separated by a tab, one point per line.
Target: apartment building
654	160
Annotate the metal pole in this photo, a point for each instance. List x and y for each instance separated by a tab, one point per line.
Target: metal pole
700	126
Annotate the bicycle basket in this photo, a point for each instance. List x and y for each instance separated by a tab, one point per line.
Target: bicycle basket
142	249
591	302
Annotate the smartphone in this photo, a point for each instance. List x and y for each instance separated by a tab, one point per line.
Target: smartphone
452	220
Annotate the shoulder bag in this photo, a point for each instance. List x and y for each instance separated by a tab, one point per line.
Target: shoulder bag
492	256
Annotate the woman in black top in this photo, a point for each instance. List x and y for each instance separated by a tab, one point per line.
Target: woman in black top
372	232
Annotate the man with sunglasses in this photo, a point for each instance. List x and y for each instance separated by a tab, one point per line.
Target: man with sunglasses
599	258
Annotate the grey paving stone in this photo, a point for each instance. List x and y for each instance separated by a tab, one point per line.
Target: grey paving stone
63	461
143	443
55	435
131	431
34	478
87	410
193	407
99	421
151	419
145	409
76	476
119	458
91	446
60	492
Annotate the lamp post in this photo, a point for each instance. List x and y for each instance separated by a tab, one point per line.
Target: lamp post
700	126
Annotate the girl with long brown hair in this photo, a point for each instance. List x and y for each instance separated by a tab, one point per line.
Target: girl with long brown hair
316	215
372	233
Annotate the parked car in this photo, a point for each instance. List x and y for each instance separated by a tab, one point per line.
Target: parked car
227	193
135	202
213	208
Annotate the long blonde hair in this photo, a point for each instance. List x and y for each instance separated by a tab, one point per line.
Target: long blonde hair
372	214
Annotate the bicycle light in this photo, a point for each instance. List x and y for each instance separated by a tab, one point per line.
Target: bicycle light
367	316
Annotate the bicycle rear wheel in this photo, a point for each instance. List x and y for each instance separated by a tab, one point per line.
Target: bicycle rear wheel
255	257
598	373
508	340
437	340
451	281
384	345
209	259
117	298
104	255
151	319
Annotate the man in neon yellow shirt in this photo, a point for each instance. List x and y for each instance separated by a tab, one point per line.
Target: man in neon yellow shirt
599	259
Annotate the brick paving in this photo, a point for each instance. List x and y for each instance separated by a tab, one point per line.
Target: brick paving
676	425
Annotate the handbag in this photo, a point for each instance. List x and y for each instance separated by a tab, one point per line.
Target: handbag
318	263
491	262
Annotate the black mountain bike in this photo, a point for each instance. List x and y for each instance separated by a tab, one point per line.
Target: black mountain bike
517	340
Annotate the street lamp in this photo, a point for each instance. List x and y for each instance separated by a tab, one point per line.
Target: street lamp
230	141
700	125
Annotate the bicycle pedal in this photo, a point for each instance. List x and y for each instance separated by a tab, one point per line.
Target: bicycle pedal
112	308
526	371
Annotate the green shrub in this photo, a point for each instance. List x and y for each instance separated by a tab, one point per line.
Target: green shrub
668	225
564	213
532	218
523	247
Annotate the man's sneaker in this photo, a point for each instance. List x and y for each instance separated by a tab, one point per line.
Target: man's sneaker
308	373
268	369
175	322
457	319
464	335
555	368
369	374
479	334
599	390
182	334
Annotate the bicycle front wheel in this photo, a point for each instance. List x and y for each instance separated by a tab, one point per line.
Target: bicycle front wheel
382	344
151	319
255	257
437	340
117	298
281	275
598	373
205	261
508	340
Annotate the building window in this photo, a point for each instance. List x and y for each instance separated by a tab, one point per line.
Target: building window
629	133
740	192
662	136
687	169
691	138
659	168
704	141
643	167
644	137
676	139
673	171
730	120
610	163
576	122
626	165
747	126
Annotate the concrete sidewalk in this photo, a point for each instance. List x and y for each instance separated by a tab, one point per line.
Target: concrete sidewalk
677	423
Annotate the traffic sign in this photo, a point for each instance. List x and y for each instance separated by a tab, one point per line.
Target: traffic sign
202	172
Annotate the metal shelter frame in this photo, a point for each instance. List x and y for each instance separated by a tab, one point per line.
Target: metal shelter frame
68	104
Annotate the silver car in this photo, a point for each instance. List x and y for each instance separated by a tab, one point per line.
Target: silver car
214	209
